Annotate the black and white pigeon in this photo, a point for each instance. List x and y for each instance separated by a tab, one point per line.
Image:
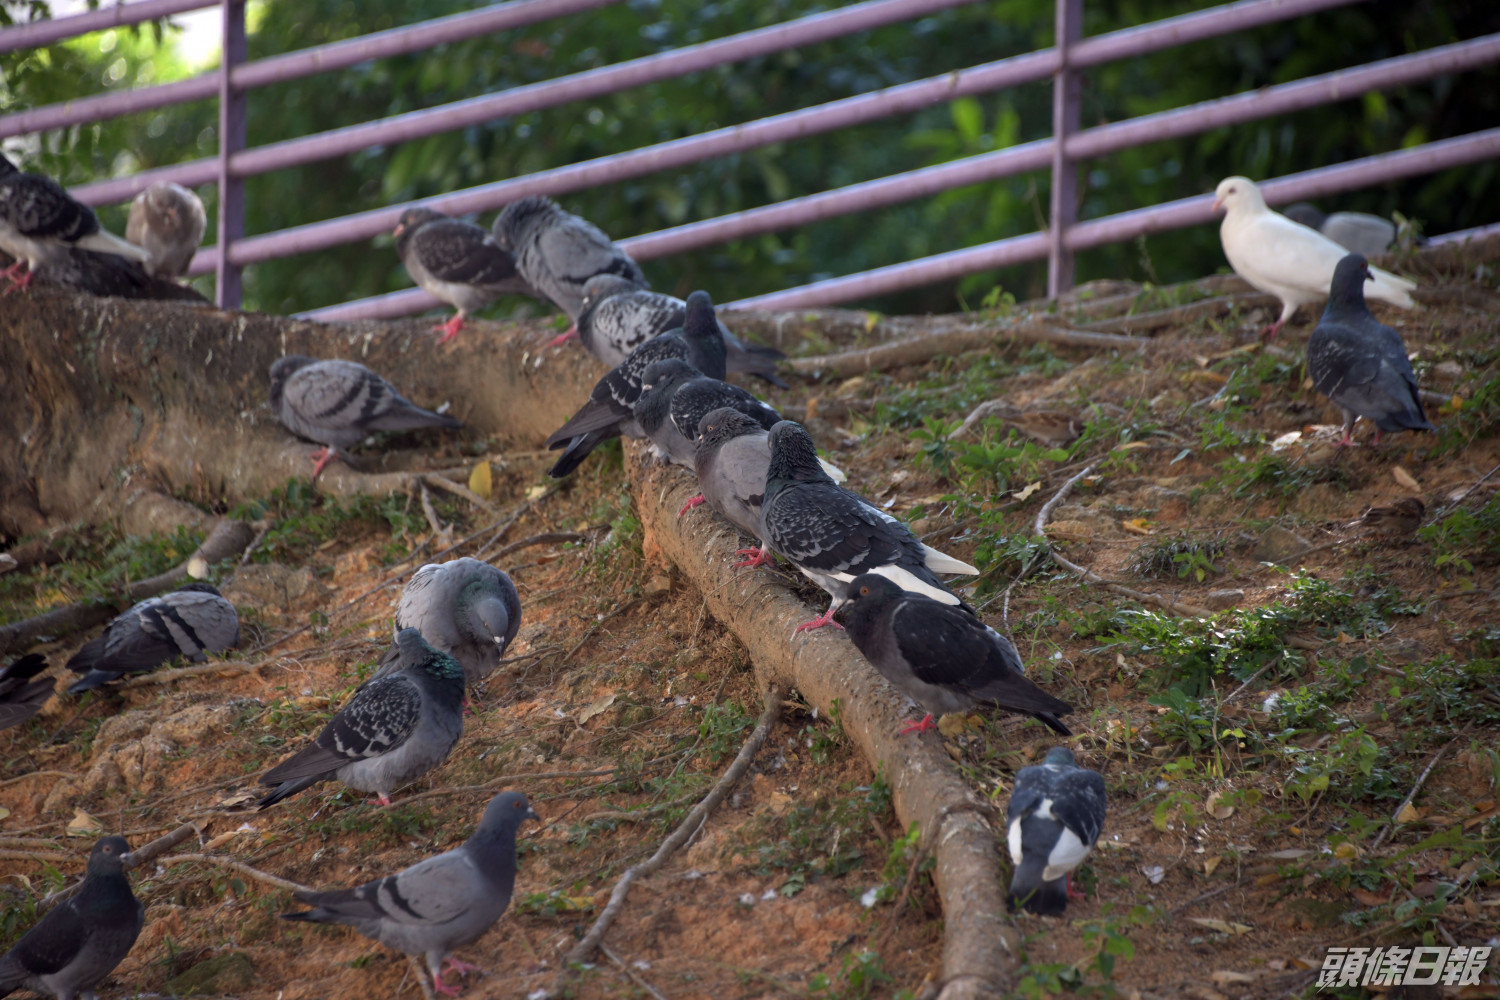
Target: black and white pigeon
1357	232
466	608
557	252
80	940
619	315
339	403
457	262
941	656
167	221
189	622
22	693
39	221
609	411
395	729
1360	363
436	905
833	535
675	397
1056	812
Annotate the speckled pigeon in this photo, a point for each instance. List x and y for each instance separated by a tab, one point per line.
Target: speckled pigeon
38	219
675	397
339	403
395	729
558	252
1360	363
21	697
466	608
167	221
1056	812
439	904
457	262
833	535
940	656
1288	260
80	940
188	622
618	316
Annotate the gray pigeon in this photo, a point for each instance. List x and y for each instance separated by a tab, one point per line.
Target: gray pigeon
466	608
188	622
674	399
609	410
558	252
1360	363
731	460
440	904
395	729
618	316
833	535
167	221
21	697
339	403
1357	232
457	262
1056	812
940	656
80	940
39	220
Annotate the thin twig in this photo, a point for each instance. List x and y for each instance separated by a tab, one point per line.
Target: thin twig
241	867
260	536
1395	820
1476	486
503	780
630	972
545	538
223	668
34	774
594	628
1253	678
443	483
45	857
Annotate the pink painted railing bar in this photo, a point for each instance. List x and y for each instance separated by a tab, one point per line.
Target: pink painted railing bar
1066	111
1198	26
1464	235
229	289
111	104
39	33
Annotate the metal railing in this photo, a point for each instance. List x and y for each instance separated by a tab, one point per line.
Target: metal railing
1069	146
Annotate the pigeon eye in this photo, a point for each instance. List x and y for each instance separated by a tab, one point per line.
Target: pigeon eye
515	805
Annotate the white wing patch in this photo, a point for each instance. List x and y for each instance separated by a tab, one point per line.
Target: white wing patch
941	562
1068	853
908	582
1013	839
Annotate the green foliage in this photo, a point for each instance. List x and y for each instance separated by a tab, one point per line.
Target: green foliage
1465	537
303	519
721	728
1180	556
862	972
1271	475
821	837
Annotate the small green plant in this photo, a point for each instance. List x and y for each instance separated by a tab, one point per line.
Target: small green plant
1181	556
1465	537
862	972
721	728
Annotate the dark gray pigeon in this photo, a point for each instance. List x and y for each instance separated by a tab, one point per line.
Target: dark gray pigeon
609	410
457	262
339	403
940	656
1357	232
167	221
1056	812
833	535
1360	363
466	608
558	252
440	904
675	397
395	729
188	622
80	940
618	316
39	221
21	697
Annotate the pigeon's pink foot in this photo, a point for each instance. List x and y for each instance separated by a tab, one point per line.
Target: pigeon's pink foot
695	501
826	618
1376	442
1270	332
322	458
561	339
443	990
18	282
1072	892
450	329
383	800
1347	441
462	968
761	557
919	727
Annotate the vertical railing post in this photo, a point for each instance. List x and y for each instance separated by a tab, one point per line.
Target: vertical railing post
1065	121
231	141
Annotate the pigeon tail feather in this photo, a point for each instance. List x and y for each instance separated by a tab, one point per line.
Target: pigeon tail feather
105	241
941	562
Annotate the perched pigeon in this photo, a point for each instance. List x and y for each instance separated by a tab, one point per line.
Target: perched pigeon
675	397
834	535
338	403
558	252
395	728
437	905
80	940
1055	814
465	608
167	221
940	656
188	622
618	316
1357	232
1360	363
608	412
38	220
1399	517
1290	261
455	261
21	697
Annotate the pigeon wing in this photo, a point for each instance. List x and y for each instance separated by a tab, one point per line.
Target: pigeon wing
429	893
462	253
54	942
382	716
696	399
1078	801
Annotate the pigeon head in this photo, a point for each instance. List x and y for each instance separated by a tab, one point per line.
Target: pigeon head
874	588
483	613
668	372
1060	757
724	424
794	457
504	814
704	336
169	201
522	217
1347	290
108	856
201	587
411	220
283	369
415	650
1238	194
604	286
1305	214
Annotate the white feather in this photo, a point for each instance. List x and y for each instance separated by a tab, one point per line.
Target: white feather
1013	838
906	581
105	241
941	562
1067	854
834	472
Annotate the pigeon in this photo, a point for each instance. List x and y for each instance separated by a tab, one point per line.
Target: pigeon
1357	232
608	412
455	261
21	697
1360	363
337	403
1399	517
558	252
465	608
395	728
445	902
38	220
1290	261
80	940
940	656
674	399
187	622
833	535
619	315
167	221
1055	814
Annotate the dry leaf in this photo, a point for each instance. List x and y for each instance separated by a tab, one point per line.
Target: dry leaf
1131	446
1222	926
481	480
197	567
1211	864
1404	478
1216	810
1408	814
83	825
1154	873
1225	977
595	708
781	803
537	491
1346	851
1136	526
4	812
1028	491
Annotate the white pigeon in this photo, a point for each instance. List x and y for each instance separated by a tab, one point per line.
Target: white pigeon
1287	259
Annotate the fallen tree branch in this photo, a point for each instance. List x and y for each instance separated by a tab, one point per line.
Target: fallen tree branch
35	774
241	867
1193	311
443	483
1395	819
224	668
135	859
43	857
545	538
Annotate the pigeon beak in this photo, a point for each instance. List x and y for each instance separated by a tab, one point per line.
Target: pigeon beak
531	814
127	860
